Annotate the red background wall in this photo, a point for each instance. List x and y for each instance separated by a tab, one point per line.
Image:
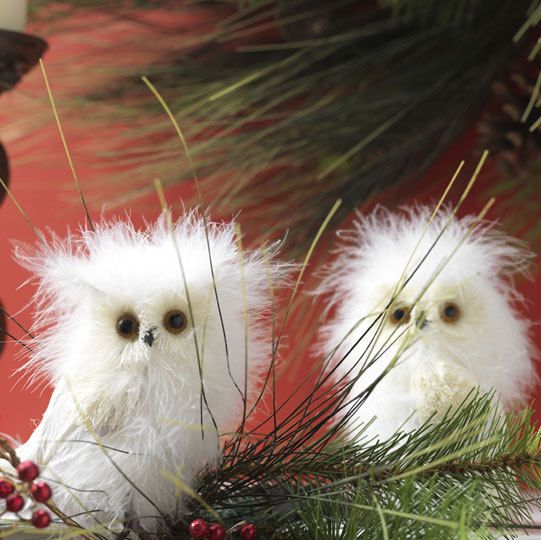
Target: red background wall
43	193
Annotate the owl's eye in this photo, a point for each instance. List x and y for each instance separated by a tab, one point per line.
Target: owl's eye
175	321
127	326
400	315
449	312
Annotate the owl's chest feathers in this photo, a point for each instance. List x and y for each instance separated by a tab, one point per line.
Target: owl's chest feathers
128	404
425	381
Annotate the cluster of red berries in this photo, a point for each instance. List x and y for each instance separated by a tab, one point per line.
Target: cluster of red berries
199	529
28	471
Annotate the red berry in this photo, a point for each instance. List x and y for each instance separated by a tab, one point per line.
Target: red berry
249	531
199	528
14	503
216	532
6	488
41	519
28	471
41	491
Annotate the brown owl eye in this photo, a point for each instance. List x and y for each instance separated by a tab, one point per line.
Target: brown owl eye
127	326
449	312
175	321
400	315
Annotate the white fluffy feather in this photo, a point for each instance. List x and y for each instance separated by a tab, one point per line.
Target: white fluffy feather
144	401
487	346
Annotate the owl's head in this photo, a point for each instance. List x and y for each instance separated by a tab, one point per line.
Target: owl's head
180	302
444	290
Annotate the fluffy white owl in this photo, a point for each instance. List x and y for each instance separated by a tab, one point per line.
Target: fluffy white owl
434	307
148	368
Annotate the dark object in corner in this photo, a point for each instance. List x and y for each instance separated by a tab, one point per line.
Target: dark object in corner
19	53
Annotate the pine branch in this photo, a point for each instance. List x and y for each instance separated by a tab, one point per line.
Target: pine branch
433	11
459	466
295	124
504	461
376	107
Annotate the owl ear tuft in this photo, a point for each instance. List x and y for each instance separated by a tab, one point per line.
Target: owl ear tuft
58	267
511	256
520	258
263	272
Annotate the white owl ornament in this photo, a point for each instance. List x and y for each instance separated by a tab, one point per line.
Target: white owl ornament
434	307
144	343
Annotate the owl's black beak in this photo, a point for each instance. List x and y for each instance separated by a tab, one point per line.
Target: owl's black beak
149	337
422	322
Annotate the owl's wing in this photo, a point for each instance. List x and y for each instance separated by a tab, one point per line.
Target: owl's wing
40	447
55	427
71	460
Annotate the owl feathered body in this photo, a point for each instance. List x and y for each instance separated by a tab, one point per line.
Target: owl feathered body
430	307
148	369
